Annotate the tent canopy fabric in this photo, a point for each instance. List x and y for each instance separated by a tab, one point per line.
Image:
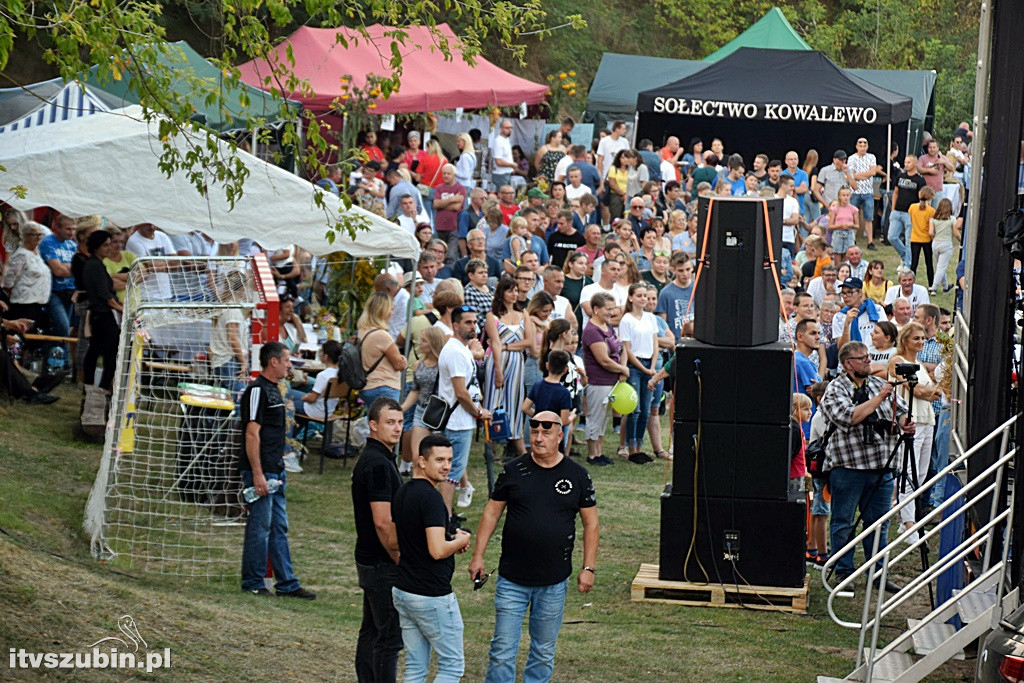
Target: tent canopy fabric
234	116
620	78
918	85
107	164
772	31
429	82
72	101
805	86
21	100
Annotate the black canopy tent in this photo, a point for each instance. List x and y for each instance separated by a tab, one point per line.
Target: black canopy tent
772	101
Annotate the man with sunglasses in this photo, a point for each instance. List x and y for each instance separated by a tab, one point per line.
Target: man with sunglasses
862	409
543	491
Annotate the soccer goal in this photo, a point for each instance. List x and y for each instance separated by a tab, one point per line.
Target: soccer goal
167	496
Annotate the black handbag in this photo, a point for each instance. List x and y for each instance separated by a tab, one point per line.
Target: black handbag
437	411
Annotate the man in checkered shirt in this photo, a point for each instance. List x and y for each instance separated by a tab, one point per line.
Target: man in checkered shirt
858	451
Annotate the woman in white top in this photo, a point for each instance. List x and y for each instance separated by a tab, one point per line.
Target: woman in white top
465	167
908	344
638	332
312	403
27	279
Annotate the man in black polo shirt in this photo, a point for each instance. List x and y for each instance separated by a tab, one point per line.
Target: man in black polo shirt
262	459
375	480
423	593
543	491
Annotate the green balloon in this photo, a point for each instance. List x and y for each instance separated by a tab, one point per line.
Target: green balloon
623	398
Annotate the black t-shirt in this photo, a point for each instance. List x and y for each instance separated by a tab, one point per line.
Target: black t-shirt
561	245
261	402
909	186
98	285
540	519
375	479
77	266
418	506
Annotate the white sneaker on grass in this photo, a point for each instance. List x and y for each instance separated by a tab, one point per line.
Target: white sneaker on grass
291	463
465	497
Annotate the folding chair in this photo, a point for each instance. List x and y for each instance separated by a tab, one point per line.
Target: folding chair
336	389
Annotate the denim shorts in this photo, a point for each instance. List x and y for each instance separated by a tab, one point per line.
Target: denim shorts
842	239
818	505
417	418
866	204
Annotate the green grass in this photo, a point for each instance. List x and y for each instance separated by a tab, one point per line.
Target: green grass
58	598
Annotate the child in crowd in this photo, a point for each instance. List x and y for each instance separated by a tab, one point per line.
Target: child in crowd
575	379
550	394
843	220
920	235
418	307
942	229
797	442
817	534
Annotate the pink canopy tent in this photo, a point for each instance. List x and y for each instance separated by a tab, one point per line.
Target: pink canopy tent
429	83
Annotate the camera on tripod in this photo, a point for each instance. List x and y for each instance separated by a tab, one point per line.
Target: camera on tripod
908	371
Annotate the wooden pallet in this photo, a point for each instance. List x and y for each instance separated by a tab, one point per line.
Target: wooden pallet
647	587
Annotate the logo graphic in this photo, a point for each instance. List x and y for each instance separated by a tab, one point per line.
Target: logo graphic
563	486
126	624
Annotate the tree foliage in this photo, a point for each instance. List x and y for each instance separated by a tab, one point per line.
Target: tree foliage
128	37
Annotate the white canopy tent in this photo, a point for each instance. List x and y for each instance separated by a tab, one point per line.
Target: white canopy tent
107	164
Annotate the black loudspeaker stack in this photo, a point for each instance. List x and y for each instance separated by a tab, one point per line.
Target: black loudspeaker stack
728	516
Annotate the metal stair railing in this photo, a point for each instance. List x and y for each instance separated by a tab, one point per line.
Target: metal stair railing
876	606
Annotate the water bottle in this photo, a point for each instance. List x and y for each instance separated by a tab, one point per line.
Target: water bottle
251	496
321	335
56	361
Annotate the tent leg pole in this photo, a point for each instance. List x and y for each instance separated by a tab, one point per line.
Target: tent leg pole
408	328
888	150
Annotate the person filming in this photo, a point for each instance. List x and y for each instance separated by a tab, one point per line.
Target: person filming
866	417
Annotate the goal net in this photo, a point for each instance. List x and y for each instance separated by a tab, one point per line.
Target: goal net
167	496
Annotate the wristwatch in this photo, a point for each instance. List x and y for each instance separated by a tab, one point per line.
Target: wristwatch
591	570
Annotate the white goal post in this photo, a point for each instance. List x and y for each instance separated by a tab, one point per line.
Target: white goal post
166	498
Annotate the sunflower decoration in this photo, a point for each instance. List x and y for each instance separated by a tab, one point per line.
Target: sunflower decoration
563	88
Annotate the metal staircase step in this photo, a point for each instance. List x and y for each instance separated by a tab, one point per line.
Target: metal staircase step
973	604
890	667
932	636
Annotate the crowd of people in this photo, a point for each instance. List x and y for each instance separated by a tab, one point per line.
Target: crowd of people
543	282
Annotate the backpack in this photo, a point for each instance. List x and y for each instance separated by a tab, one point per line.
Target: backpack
350	363
815	454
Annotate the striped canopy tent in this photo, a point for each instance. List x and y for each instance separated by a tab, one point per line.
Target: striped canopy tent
73	101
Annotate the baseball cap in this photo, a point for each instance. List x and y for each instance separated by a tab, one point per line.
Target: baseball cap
839	154
536	193
852	283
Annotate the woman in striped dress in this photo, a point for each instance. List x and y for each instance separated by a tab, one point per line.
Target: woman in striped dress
510	333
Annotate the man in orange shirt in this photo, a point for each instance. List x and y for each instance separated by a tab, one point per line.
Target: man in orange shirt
671	153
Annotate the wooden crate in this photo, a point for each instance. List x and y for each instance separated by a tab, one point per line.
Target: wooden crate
647	587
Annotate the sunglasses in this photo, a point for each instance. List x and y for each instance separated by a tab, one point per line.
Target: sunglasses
480	579
662	253
546	424
466	309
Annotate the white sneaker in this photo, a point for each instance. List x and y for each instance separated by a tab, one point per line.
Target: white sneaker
291	463
466	497
913	538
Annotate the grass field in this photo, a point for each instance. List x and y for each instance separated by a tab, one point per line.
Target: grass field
55	597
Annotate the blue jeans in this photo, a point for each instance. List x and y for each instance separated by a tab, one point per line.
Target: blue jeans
854	490
227	376
511	601
430	623
636	422
60	313
940	455
461	440
899	233
266	532
368	396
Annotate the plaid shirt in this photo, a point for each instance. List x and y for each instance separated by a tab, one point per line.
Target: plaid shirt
847	446
932	353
